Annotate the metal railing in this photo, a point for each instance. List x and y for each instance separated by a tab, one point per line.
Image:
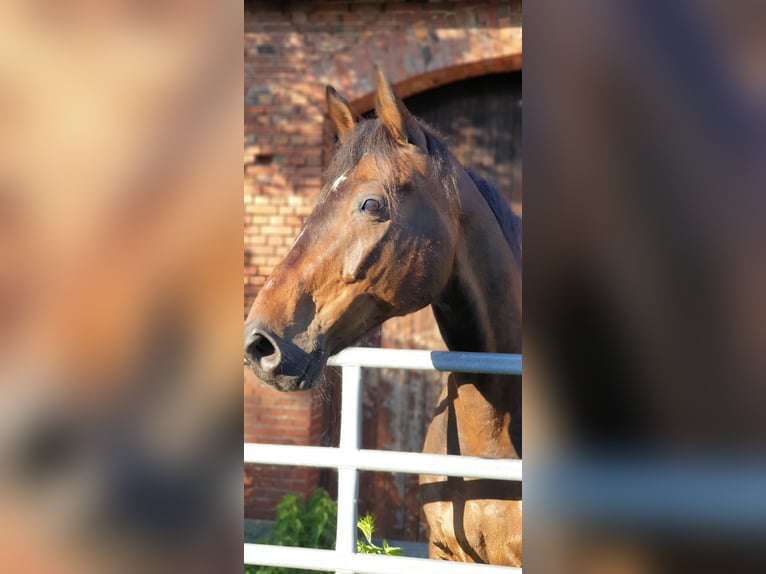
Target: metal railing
349	459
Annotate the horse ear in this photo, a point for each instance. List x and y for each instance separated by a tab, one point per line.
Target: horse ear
340	112
394	114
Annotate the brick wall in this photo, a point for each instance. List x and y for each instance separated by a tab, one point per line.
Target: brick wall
292	50
275	417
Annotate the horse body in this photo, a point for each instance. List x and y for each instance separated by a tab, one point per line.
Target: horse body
478	415
401	225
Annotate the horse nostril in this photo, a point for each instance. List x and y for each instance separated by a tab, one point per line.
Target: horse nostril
262	351
261	347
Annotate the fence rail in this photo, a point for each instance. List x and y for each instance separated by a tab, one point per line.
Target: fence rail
458	362
386	461
349	458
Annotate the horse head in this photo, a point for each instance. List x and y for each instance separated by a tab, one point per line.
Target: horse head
379	243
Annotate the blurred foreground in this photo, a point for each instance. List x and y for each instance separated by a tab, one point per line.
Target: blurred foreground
120	286
645	264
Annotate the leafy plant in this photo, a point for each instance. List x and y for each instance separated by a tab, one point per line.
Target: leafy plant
311	524
367	525
299	522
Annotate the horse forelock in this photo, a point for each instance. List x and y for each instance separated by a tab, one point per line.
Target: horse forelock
367	137
372	138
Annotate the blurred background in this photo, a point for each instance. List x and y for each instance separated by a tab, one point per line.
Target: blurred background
644	139
120	286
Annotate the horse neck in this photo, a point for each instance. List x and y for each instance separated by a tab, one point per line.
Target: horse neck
480	307
479	310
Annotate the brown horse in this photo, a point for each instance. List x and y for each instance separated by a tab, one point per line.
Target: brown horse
401	225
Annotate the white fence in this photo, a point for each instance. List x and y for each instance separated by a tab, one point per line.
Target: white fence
349	459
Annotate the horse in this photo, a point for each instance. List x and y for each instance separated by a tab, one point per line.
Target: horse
399	225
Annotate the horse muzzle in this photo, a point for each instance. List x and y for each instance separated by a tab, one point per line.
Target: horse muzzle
279	363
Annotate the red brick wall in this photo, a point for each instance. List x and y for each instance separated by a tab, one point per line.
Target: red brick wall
292	50
274	417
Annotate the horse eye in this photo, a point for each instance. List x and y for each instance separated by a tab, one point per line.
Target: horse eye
372	205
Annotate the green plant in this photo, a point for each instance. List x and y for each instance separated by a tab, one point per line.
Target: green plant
309	523
367	525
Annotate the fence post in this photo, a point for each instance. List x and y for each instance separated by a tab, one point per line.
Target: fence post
348	478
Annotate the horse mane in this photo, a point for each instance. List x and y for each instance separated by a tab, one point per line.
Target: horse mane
509	222
372	136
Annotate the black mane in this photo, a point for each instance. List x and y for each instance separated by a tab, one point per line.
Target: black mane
509	222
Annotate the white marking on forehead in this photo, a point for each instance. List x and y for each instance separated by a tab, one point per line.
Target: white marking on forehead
338	181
